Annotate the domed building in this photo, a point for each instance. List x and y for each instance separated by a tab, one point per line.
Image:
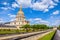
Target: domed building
19	20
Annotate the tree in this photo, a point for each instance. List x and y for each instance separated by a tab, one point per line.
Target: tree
59	27
33	27
39	27
26	27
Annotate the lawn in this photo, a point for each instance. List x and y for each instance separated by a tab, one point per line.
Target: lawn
48	36
8	31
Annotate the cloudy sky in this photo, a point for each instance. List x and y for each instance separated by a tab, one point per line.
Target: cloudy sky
35	11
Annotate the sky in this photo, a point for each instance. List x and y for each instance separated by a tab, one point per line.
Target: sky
35	11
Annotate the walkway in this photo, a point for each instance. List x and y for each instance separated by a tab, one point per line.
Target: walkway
36	37
28	36
57	35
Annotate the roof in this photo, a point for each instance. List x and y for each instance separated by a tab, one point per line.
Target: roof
10	26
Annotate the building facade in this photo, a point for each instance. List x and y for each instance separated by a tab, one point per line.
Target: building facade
19	20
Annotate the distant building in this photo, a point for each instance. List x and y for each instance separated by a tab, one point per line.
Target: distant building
19	20
3	26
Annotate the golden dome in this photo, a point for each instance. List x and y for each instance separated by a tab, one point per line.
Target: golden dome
20	11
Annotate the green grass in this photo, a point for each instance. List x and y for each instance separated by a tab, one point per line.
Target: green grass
48	36
8	31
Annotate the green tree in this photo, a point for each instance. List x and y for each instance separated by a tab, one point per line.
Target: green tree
59	27
26	27
39	27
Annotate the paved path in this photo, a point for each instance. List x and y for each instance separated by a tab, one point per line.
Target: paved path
57	35
36	37
25	35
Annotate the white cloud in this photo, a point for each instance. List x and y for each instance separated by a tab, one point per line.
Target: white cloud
12	19
1	20
34	19
7	8
25	3
5	3
39	6
11	15
4	8
55	23
38	21
56	12
42	5
51	6
14	5
56	0
46	10
52	21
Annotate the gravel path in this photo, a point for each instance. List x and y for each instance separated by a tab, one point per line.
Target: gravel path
19	36
36	37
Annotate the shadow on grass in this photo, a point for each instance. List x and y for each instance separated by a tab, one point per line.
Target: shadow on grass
53	35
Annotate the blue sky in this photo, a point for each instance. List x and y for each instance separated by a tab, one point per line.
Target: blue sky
35	11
